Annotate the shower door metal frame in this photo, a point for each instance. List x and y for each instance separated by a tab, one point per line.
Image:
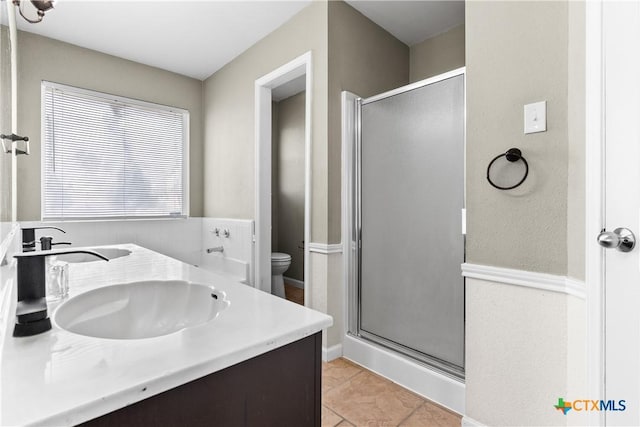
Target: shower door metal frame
355	240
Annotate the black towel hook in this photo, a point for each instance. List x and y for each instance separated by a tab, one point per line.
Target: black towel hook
512	155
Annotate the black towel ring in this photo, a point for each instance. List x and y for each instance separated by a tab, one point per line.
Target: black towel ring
512	155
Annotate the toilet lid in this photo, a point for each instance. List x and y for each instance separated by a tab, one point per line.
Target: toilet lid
280	256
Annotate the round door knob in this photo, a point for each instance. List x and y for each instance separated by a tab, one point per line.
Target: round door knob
620	238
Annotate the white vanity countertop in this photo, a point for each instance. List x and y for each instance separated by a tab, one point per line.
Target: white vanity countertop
60	378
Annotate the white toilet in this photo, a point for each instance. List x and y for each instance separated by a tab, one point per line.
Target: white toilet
280	262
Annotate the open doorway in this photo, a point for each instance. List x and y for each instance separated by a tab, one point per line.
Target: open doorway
287	190
283	180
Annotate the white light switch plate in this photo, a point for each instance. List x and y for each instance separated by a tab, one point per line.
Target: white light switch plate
535	117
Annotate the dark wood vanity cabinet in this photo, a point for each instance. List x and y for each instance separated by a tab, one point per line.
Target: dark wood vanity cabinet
279	388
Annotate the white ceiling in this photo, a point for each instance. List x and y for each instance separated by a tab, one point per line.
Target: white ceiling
197	38
194	38
412	21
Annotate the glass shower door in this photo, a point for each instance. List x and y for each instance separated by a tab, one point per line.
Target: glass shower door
411	194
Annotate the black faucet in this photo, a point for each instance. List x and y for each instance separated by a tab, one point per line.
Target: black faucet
29	237
31	312
46	244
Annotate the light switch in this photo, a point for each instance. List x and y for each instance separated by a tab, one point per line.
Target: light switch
535	117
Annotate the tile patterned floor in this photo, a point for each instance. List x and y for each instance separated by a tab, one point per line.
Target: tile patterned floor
354	396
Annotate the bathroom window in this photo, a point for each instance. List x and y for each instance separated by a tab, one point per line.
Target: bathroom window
105	156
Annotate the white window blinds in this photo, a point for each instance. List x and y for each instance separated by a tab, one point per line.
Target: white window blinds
110	157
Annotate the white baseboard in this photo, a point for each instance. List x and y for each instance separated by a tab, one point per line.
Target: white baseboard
294	282
331	353
470	422
444	390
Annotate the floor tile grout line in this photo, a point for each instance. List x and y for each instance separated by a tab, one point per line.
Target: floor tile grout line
343	418
335	412
352	376
364	370
338	385
360	371
423	401
411	413
338	415
344	382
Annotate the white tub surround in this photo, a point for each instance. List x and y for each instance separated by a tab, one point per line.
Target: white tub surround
60	378
236	236
179	238
185	239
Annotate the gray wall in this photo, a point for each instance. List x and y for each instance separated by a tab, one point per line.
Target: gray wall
288	185
229	119
366	60
437	54
516	53
41	58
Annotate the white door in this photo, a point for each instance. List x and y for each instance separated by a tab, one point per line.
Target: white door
621	41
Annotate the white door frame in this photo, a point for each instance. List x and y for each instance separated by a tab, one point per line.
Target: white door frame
263	87
594	205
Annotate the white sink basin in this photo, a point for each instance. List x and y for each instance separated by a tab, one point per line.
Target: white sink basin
110	253
140	309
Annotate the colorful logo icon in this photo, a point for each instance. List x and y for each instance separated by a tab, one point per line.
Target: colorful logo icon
563	406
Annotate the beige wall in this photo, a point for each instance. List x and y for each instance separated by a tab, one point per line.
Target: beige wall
577	141
229	119
5	122
539	227
41	58
363	59
288	185
438	54
577	366
516	53
229	189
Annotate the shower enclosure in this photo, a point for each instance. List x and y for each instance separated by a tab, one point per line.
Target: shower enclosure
407	291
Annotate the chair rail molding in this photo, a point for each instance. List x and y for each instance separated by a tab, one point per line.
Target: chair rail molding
528	279
325	248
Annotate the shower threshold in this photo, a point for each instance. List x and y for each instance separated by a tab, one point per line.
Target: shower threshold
428	361
423	378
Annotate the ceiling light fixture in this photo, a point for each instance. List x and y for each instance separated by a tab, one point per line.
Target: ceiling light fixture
41	6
